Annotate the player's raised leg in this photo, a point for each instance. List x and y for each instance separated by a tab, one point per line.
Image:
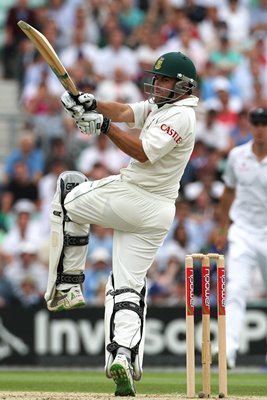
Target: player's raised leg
66	274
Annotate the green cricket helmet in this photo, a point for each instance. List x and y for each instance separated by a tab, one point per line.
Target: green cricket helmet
174	65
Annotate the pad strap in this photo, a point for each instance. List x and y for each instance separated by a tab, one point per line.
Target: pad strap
114	293
129	305
67	278
75	240
113	347
126	305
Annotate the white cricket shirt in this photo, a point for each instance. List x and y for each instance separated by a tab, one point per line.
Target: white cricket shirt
248	177
168	135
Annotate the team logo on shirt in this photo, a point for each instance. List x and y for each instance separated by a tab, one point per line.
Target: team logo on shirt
171	132
159	63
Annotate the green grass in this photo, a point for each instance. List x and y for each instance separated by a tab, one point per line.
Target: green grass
239	384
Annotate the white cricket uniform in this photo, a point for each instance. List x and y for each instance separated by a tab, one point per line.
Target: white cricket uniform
247	235
139	203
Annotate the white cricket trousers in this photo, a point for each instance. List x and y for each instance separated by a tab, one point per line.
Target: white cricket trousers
247	251
140	221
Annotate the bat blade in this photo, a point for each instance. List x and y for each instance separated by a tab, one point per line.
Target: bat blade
50	56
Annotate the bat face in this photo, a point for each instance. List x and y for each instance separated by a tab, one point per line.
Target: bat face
46	50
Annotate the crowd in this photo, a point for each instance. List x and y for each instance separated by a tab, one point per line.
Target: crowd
106	47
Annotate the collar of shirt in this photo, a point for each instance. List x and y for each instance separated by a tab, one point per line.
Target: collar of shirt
191	101
250	154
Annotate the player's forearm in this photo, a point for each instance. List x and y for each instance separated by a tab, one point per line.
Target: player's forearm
224	207
118	112
129	144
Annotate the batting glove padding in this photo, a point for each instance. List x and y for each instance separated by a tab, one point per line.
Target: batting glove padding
87	100
76	106
93	123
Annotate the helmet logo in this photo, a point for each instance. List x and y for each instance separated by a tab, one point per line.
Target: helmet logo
159	63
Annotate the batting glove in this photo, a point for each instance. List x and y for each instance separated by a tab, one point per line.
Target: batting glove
76	106
93	123
88	101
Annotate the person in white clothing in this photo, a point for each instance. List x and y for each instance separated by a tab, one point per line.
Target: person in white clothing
243	203
138	204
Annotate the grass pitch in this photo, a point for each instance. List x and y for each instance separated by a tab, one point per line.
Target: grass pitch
240	384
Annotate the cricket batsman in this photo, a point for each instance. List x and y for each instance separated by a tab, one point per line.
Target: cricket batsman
138	204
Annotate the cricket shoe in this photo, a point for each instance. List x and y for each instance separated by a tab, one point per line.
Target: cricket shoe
67	299
122	374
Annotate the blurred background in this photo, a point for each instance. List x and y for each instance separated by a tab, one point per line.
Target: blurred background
105	46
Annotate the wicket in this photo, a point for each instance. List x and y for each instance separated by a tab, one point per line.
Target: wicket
206	345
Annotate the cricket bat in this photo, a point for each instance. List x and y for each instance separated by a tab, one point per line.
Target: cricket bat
50	56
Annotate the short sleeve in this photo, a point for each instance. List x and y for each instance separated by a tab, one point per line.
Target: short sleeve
167	133
141	111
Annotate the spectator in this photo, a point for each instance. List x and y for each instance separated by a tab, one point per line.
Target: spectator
183	216
258	50
96	274
199	159
258	21
213	133
225	56
39	102
74	140
36	68
110	24
99	12
206	183
115	54
177	246
189	45
259	96
7	295
19	187
158	12
100	238
146	41
28	294
43	110
27	152
223	102
175	18
98	171
237	18
62	13
80	51
208	27
58	151
26	265
24	228
209	75
13	37
85	18
130	16
168	288
104	152
147	50
120	88
46	189
241	132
